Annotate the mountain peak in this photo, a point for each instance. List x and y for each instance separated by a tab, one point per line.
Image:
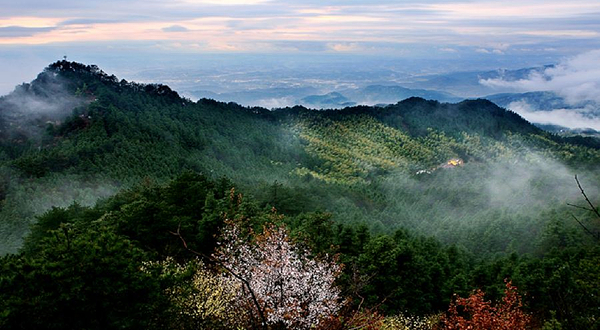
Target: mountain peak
93	77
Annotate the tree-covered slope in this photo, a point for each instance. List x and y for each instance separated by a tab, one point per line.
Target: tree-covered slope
93	134
107	186
159	257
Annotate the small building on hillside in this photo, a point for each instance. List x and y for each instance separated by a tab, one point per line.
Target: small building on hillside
454	162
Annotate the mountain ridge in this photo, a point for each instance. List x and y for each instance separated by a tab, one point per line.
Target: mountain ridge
345	161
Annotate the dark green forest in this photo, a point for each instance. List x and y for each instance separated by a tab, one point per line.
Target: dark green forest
120	202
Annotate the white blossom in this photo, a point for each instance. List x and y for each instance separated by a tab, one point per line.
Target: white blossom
290	287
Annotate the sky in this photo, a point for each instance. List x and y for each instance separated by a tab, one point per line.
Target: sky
355	26
127	37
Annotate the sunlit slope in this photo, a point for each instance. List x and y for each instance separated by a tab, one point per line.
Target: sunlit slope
358	148
417	165
357	145
355	148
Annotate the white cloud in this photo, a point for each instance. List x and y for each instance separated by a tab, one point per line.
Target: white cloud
577	79
449	50
496	51
273	103
570	118
223	2
344	47
513	9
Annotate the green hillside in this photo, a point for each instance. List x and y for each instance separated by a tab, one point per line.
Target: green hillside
419	200
359	163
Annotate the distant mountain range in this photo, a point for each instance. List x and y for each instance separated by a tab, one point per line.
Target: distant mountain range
310	97
539	101
373	95
468	84
548	110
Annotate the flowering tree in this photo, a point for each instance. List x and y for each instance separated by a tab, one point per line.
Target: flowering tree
282	285
481	315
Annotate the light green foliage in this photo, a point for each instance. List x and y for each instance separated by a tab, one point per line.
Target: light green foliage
354	147
410	322
200	297
552	323
111	251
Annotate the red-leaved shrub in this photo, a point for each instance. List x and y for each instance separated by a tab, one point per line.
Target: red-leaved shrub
475	313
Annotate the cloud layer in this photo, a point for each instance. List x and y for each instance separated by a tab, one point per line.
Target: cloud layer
577	79
571	118
492	28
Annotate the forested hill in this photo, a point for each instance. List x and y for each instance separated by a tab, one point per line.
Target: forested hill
104	183
416	115
76	134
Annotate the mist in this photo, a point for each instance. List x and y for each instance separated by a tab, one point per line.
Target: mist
24	115
577	79
464	204
273	103
573	118
29	199
26	111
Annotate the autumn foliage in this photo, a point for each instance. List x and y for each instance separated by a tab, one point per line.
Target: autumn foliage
475	313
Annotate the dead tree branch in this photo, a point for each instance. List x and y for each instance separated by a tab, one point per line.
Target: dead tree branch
591	208
596	236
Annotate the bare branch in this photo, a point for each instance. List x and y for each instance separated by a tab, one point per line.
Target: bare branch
596	236
593	208
580	207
